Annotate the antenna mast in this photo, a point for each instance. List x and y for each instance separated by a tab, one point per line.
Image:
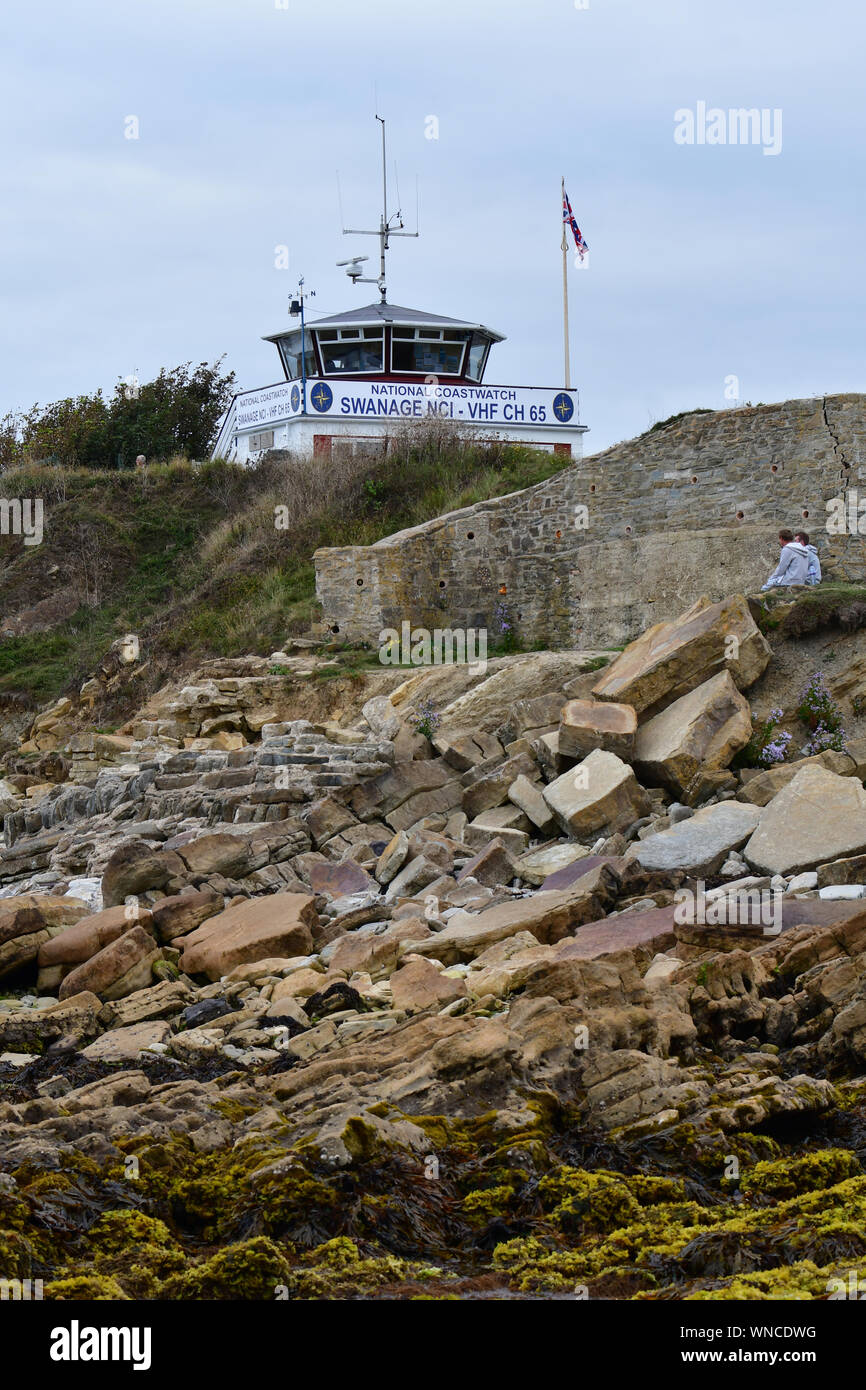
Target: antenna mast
384	232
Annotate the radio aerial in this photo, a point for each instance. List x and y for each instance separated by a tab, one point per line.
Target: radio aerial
390	224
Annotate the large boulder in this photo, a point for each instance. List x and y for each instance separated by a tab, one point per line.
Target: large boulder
588	724
120	968
135	867
73	946
700	732
672	658
278	925
218	854
700	844
601	792
819	816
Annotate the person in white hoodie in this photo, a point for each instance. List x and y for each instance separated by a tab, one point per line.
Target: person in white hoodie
814	574
793	566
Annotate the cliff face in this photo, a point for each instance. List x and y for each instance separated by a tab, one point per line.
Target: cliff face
621	539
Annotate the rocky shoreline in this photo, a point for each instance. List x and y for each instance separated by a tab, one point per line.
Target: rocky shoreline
552	1003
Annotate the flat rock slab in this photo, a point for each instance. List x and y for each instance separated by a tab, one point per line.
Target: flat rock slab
548	916
700	732
700	844
656	928
571	873
336	880
540	864
653	928
124	1044
278	925
672	658
819	816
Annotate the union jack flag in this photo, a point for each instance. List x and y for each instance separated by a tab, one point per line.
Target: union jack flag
569	217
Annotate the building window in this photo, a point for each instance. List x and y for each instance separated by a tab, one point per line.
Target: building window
351	350
290	352
478	351
264	440
428	351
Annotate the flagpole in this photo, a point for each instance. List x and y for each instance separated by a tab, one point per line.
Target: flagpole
565	294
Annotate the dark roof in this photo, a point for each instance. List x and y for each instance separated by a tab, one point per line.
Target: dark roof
388	313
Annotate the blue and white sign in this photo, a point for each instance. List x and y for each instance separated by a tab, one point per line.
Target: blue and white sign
357	400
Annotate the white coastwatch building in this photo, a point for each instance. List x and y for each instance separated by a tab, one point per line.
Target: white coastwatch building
351	379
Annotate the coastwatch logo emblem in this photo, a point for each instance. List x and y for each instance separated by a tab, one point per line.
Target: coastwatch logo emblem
563	407
322	396
295	398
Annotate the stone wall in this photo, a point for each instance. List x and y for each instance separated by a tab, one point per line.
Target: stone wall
690	508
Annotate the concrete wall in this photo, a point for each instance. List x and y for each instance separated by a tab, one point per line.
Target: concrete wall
688	509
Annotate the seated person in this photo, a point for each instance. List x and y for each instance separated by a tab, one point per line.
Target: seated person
793	566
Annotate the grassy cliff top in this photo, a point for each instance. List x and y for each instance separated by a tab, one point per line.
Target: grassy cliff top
209	559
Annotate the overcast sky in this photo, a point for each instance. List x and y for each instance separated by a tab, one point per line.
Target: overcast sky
706	261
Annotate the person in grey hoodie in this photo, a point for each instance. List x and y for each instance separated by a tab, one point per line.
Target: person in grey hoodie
793	566
814	574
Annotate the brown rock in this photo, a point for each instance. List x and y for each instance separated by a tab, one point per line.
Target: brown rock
491	789
527	796
28	921
327	818
418	985
338	880
183	912
699	733
548	916
672	658
491	866
378	952
602	791
819	816
278	925
463	753
393	857
760	788
588	724
135	867
78	943
120	968
124	1044
218	854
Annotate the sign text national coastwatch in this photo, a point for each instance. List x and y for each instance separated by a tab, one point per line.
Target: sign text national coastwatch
472	405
